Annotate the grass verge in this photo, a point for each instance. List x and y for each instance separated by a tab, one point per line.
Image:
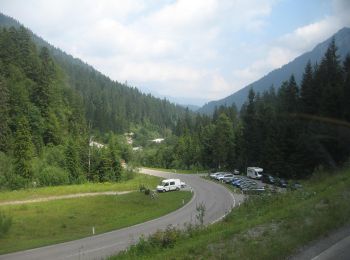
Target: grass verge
45	223
34	193
270	226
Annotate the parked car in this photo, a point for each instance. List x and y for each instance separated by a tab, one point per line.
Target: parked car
220	175
228	177
214	175
267	178
295	186
281	183
236	172
169	184
236	182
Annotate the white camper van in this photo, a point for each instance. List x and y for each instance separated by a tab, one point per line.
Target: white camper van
254	172
170	184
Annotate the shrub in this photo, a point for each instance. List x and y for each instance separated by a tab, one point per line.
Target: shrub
142	187
6	170
5	224
51	176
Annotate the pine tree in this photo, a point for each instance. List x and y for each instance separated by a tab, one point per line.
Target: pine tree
308	92
223	141
72	162
23	149
4	116
251	152
329	76
346	97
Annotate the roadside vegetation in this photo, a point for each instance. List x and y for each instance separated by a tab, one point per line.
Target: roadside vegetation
124	185
270	226
44	223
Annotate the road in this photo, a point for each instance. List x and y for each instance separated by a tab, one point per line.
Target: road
334	246
217	199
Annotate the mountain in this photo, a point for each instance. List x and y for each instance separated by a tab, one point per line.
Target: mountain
277	76
109	105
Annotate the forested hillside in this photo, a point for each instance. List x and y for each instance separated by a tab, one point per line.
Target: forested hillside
51	105
38	111
109	105
289	132
45	128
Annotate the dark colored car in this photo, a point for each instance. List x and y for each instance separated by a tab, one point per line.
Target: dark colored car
266	178
295	186
236	182
281	183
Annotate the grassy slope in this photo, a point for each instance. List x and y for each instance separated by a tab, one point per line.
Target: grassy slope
46	223
33	193
266	227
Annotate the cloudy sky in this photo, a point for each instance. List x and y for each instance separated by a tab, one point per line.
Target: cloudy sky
191	51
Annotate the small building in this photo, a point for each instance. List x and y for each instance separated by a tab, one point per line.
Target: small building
96	144
157	140
138	148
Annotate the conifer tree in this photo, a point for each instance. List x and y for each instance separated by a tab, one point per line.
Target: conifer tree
4	116
308	94
72	162
346	98
329	77
223	141
23	149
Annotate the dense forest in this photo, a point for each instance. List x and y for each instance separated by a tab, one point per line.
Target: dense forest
289	132
51	106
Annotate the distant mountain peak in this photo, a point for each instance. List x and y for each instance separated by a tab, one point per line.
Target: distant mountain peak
277	76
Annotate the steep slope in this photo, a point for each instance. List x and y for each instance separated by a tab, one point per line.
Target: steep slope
109	105
276	77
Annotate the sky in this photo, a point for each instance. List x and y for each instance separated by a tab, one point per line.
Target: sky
189	51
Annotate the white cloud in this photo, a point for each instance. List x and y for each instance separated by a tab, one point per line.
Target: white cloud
291	45
172	47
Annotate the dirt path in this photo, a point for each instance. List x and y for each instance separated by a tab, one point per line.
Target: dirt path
68	196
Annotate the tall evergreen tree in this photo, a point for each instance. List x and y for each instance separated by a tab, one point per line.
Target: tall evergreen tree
329	77
308	91
72	162
4	116
223	142
346	97
23	149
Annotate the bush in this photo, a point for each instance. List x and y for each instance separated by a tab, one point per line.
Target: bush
51	176
6	170
5	224
142	187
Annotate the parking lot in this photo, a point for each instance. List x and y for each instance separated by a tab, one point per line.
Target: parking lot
244	184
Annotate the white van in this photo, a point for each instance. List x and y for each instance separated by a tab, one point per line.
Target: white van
254	172
170	184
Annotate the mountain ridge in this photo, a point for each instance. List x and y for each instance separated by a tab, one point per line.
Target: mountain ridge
109	105
277	76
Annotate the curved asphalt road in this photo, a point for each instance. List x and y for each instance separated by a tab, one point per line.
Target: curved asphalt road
217	199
